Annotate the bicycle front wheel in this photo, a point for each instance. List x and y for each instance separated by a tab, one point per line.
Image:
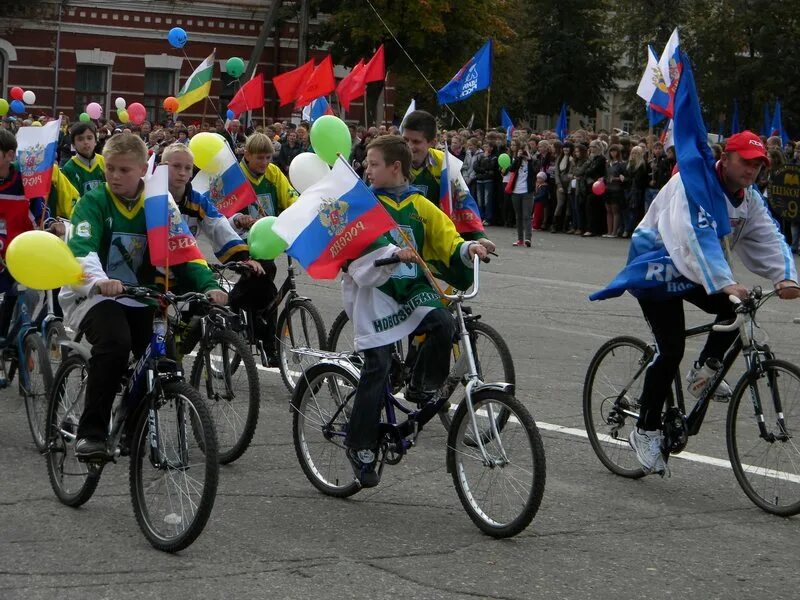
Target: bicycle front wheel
501	490
767	464
37	389
322	403
300	327
174	470
225	374
72	480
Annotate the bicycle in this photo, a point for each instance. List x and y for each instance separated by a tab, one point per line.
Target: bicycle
224	370
611	403
173	435
479	452
492	356
300	325
23	350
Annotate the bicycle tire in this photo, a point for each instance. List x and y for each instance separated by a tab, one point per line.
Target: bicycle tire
311	332
54	334
164	528
40	383
748	451
235	421
324	385
72	480
525	473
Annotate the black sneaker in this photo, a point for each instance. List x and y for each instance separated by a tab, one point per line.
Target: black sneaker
88	449
419	397
273	360
364	462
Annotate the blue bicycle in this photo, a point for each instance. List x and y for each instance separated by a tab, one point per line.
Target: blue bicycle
172	444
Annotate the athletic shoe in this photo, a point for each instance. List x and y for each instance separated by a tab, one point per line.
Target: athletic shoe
698	378
87	448
363	463
518	243
528	243
647	445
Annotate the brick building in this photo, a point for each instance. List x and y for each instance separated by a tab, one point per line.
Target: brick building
96	51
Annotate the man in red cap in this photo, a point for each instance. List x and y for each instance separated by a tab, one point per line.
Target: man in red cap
676	255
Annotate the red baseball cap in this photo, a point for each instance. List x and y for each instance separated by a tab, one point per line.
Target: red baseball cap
747	145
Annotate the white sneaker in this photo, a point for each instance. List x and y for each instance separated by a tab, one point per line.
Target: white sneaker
647	445
698	378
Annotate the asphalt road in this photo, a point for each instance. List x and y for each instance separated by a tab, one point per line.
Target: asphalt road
272	535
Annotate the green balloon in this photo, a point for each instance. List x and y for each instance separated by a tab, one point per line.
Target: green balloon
504	161
329	137
234	66
264	243
3	107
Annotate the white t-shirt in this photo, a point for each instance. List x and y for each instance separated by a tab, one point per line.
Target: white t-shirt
521	184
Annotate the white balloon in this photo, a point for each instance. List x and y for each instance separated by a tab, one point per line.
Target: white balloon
307	169
120	103
29	97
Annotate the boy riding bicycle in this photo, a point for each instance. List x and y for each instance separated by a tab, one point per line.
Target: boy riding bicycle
389	303
109	239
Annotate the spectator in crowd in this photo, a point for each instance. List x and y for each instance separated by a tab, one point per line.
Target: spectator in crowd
564	166
660	172
638	178
615	191
524	172
485	166
580	190
289	150
468	168
595	169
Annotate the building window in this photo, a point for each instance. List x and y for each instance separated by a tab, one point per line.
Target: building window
91	85
158	84
627	126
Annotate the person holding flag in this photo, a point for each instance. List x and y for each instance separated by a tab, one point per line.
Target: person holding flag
391	302
677	254
110	240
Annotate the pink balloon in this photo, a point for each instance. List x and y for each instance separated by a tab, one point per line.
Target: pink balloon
137	113
599	187
94	110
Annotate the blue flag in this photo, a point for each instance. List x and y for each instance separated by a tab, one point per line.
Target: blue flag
735	119
777	123
561	125
507	123
474	76
653	116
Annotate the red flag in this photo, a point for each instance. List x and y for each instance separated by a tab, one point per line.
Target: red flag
321	83
376	68
352	86
249	96
289	84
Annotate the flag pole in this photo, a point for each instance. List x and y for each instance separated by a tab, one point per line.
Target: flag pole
488	101
385	93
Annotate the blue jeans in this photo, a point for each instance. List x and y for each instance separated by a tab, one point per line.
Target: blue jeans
578	202
485	199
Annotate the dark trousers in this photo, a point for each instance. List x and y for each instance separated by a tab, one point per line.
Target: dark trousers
114	330
429	373
667	322
254	293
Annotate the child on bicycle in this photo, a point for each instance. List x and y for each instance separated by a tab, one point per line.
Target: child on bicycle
109	239
700	273
85	170
389	303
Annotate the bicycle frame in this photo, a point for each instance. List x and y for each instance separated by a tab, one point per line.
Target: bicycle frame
20	328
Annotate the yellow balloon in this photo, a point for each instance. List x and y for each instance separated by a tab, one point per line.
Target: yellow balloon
205	146
42	261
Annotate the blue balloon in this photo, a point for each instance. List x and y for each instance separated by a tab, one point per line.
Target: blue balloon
177	37
17	106
230	114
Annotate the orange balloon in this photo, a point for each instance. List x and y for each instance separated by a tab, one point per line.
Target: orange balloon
171	104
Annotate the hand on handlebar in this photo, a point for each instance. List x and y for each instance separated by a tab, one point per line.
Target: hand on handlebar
407	255
218	297
58	229
736	289
109	287
488	244
478	250
787	290
255	266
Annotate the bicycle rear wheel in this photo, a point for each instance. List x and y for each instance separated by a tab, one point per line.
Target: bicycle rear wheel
231	391
300	326
321	405
501	492
767	467
72	480
37	390
611	402
174	470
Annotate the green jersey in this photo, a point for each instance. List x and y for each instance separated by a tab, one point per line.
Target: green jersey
85	177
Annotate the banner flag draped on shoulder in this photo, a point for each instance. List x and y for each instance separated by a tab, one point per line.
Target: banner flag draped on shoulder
320	83
198	86
507	123
289	84
332	222
36	155
249	97
227	187
168	236
562	128
454	197
473	77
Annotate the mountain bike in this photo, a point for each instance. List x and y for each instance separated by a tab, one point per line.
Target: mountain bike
172	443
762	413
498	471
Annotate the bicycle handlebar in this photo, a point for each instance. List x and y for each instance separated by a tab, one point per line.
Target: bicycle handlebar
476	261
236	266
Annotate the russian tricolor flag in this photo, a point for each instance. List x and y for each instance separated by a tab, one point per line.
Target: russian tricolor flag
653	88
168	236
332	222
36	155
227	187
454	197
318	108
